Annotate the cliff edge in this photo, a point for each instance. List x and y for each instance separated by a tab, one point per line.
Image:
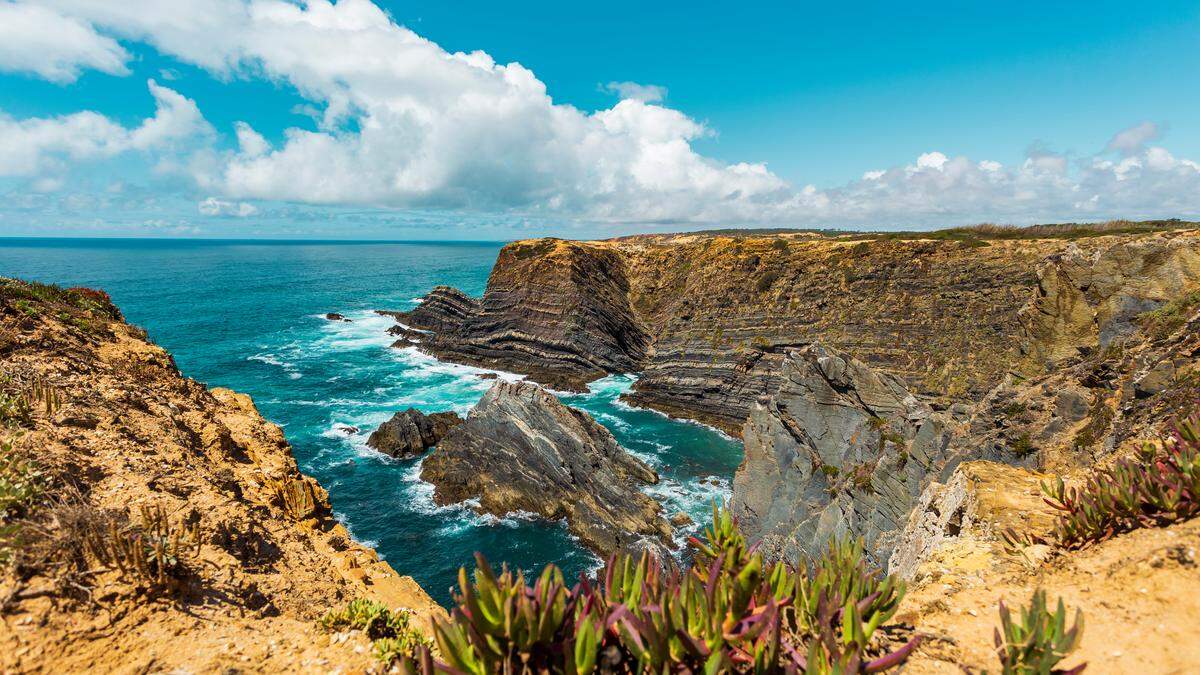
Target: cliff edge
153	524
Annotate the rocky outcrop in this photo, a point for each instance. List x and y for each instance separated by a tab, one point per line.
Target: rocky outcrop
554	310
412	432
521	450
707	319
840	449
844	449
964	518
1087	300
444	308
119	430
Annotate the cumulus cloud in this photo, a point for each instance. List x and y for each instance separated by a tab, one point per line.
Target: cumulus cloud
29	147
46	43
1132	140
219	207
401	122
646	93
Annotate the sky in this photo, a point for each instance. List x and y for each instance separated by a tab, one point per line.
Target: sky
479	120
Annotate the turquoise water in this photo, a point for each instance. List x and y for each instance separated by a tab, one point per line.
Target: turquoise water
248	315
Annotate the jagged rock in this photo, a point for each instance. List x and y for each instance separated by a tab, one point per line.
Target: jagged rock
681	519
412	432
334	316
520	449
841	448
1087	299
958	523
444	308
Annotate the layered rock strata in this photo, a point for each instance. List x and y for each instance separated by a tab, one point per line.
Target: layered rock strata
840	449
556	311
412	432
707	319
521	450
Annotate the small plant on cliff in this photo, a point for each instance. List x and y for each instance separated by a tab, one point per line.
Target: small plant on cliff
152	552
1160	486
1161	322
766	281
22	484
1036	642
393	638
730	612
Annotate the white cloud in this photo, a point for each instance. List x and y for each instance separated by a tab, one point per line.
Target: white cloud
29	147
400	122
219	207
46	43
1132	140
646	93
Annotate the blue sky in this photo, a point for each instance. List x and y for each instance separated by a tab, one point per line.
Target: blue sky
359	119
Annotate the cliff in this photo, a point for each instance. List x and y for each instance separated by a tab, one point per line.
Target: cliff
555	310
706	319
108	446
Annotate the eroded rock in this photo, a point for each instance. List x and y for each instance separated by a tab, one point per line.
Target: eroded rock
412	432
520	449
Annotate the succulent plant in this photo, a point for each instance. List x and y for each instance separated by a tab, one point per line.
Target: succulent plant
1159	486
153	552
730	612
394	640
1036	642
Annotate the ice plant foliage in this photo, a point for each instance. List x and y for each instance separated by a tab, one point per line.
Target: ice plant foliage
731	612
1158	487
1034	644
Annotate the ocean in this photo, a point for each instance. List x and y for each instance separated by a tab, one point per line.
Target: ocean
249	315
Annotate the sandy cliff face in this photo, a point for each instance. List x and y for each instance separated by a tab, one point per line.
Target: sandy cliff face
114	429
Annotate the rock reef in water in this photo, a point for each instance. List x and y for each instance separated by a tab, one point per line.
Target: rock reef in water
412	432
521	450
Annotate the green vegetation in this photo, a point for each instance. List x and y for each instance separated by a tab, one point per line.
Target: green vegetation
22	484
1158	487
982	232
392	637
766	281
1039	640
730	612
1023	446
32	298
1160	323
152	553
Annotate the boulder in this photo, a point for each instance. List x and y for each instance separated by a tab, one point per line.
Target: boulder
521	449
412	432
334	316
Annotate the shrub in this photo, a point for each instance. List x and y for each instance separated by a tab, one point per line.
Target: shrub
1161	322
21	485
1023	445
1036	643
730	612
393	639
766	281
1158	487
152	553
